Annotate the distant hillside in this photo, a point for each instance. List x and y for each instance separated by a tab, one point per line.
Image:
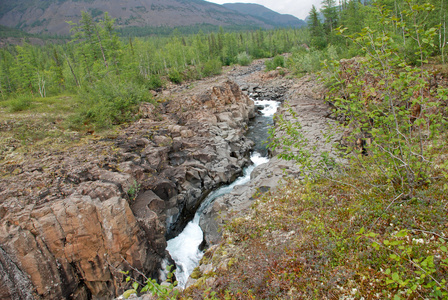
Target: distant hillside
50	16
12	36
266	15
11	32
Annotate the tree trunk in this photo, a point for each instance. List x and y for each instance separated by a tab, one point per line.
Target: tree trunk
73	73
101	47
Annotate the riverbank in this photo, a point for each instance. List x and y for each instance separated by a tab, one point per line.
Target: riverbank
300	97
351	235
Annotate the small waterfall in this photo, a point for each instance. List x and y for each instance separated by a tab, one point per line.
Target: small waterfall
184	249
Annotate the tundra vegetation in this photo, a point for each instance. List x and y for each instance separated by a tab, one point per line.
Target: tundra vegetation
375	227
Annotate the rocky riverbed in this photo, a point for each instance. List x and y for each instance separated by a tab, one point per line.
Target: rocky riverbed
72	218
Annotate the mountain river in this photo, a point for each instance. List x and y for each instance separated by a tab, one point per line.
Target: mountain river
184	249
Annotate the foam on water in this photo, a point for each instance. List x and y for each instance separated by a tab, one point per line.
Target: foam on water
269	107
184	249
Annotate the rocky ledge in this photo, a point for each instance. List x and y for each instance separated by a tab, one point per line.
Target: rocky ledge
304	97
72	218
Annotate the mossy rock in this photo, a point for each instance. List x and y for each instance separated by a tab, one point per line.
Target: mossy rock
196	273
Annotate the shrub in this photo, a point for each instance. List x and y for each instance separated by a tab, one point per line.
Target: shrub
212	67
391	111
244	59
309	61
175	76
193	73
20	103
108	102
151	286
278	61
155	82
393	118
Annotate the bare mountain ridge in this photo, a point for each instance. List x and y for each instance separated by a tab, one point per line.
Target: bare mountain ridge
51	16
265	14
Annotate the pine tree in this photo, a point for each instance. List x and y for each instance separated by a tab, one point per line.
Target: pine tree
316	29
330	12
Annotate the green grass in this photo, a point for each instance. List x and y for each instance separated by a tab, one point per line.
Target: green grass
61	104
29	122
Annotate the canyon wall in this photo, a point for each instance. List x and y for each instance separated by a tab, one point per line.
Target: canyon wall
73	217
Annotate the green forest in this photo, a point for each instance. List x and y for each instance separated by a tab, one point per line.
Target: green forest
96	57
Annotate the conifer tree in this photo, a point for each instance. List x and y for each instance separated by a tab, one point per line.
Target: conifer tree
316	29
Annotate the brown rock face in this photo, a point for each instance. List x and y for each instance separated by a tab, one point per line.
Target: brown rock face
76	244
72	219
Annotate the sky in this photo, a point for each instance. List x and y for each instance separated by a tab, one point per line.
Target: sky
298	8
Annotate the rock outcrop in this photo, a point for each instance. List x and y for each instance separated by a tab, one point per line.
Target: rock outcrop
304	97
72	218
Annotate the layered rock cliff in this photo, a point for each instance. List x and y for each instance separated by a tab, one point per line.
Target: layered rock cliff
72	218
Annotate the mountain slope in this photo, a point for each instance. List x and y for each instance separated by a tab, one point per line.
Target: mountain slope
50	16
266	15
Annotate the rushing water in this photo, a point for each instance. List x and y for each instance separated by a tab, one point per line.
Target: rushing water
184	249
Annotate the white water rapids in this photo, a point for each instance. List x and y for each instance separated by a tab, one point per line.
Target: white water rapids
184	249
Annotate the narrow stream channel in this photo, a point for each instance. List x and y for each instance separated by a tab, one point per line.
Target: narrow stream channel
184	249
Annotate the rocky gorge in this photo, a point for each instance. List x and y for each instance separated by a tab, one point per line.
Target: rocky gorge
73	218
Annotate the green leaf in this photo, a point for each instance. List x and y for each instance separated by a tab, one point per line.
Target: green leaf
144	289
371	234
128	293
444	249
402	233
395	243
394	257
389	281
395	276
135	285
